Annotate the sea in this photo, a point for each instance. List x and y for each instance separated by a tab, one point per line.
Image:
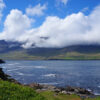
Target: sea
60	73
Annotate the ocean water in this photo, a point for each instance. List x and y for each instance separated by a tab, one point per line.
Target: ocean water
85	74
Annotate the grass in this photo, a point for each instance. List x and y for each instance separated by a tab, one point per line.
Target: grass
78	56
11	91
19	55
22	55
98	98
53	96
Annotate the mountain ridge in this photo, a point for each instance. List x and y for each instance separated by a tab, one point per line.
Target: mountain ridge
14	50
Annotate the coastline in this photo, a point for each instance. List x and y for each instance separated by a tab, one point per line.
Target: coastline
83	93
40	88
52	59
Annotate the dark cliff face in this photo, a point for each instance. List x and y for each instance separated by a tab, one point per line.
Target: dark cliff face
1	61
3	76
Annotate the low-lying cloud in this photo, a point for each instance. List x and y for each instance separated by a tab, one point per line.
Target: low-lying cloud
74	29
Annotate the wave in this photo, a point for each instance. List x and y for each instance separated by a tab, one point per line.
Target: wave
10	64
19	73
14	69
50	75
40	67
99	86
89	90
97	94
52	83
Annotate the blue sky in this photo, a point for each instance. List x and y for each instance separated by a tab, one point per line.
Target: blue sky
50	23
54	7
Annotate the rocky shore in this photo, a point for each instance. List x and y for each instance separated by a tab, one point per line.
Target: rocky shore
67	90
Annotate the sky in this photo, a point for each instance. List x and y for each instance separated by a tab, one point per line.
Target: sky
50	23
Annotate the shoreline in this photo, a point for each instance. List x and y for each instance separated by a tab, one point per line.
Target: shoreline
69	90
52	60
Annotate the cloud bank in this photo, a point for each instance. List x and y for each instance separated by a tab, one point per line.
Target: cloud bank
74	29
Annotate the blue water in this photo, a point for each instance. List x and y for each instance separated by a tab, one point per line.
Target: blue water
85	74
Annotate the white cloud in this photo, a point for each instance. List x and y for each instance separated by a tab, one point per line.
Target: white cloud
64	1
38	10
54	32
2	6
15	25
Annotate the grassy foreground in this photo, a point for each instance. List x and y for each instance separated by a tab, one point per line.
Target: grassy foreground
53	96
11	91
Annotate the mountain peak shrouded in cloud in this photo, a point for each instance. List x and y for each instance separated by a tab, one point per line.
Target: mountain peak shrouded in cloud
74	29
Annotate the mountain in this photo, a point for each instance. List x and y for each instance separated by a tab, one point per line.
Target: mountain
14	50
9	46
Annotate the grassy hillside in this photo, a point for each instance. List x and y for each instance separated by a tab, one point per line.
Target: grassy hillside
22	55
11	91
77	56
19	55
14	51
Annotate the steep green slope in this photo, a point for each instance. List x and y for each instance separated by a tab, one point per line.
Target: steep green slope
21	55
78	56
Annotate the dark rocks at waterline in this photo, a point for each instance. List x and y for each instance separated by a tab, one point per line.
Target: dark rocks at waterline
68	90
1	61
6	77
35	86
79	91
3	76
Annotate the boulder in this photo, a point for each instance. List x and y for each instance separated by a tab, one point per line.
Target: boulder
77	90
35	86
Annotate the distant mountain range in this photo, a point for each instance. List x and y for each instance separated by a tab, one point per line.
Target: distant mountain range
14	51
